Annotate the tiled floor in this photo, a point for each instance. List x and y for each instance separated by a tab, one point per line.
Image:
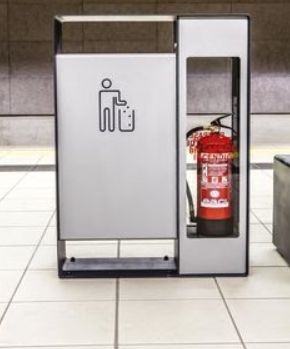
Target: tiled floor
39	310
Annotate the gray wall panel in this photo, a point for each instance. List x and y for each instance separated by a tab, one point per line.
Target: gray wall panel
26	39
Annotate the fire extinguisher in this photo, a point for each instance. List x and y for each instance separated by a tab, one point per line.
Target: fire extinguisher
215	153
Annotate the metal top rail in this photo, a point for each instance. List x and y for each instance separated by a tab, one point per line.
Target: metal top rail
116	18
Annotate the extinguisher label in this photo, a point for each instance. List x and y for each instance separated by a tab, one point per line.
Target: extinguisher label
215	190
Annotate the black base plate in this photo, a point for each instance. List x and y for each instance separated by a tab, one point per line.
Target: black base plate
117	267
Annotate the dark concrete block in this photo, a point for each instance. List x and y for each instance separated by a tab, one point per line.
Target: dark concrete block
72	46
3	20
193	7
4	96
165	37
281	207
31	59
270	20
270	56
4	69
118	2
119	31
119	46
31	20
32	95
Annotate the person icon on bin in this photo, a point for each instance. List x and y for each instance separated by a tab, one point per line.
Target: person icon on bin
113	111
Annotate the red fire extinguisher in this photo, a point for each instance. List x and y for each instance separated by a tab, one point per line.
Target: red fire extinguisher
214	185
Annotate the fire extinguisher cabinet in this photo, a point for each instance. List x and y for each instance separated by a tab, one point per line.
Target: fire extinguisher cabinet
125	169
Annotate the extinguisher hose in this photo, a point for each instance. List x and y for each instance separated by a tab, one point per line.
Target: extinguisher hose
190	203
217	122
193	130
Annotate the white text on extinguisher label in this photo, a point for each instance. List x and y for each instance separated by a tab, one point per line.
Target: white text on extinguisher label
215	157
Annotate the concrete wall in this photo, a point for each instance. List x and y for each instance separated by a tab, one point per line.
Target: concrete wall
26	49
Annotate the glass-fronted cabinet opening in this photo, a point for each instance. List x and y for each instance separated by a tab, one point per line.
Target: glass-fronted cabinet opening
212	152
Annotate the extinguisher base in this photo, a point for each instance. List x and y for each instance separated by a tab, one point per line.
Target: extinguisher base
215	228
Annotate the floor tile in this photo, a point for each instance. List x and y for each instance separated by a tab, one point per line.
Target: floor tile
262	320
38	180
258	201
53	221
50	236
27	204
15	258
264	189
8	282
146	250
9	179
20	235
45	257
47	160
51	288
265	255
175	322
22	219
78	347
268	346
58	323
258	233
2	308
273	282
32	193
184	346
19	159
3	192
265	215
168	288
253	219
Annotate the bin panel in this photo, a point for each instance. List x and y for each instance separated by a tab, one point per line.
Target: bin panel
116	138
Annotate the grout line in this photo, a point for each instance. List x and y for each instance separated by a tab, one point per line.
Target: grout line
25	226
163	345
270	266
144	299
26	211
32	168
261	222
116	333
9	56
18	245
25	270
171	345
56	346
106	300
230	314
24	115
14	186
21	178
117	310
268	230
